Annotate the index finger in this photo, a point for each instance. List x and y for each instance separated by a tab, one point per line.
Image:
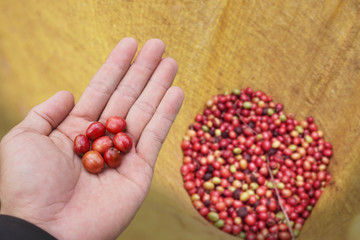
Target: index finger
102	85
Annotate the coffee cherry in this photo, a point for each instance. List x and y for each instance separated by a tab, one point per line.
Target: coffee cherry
95	130
102	144
93	161
115	124
123	142
112	157
81	144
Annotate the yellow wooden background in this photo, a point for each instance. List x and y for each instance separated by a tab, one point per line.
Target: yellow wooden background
304	53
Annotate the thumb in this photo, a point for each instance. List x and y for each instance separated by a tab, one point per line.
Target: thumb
46	116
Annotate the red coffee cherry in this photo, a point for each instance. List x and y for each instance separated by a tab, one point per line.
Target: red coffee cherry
81	144
112	157
93	161
95	130
115	124
102	144
123	142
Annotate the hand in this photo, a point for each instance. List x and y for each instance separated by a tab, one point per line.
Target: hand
44	182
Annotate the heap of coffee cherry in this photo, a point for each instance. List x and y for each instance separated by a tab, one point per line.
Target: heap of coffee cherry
103	148
252	170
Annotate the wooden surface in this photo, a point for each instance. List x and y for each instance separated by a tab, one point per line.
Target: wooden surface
306	55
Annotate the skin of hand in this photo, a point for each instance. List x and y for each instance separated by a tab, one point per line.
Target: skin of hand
43	181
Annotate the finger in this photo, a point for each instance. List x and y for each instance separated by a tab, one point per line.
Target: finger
158	127
46	116
135	79
105	81
145	106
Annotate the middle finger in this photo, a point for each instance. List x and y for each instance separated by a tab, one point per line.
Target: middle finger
135	79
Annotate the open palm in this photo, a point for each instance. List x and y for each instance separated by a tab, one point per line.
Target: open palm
43	181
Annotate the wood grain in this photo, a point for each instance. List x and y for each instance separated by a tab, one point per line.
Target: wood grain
306	55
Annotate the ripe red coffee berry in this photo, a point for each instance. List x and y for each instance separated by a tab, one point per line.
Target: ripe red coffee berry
81	144
250	220
122	142
102	144
266	145
95	130
112	157
115	124
93	161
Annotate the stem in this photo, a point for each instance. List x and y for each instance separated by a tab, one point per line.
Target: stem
241	120
279	199
273	182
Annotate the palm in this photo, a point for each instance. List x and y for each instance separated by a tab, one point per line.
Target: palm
46	180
